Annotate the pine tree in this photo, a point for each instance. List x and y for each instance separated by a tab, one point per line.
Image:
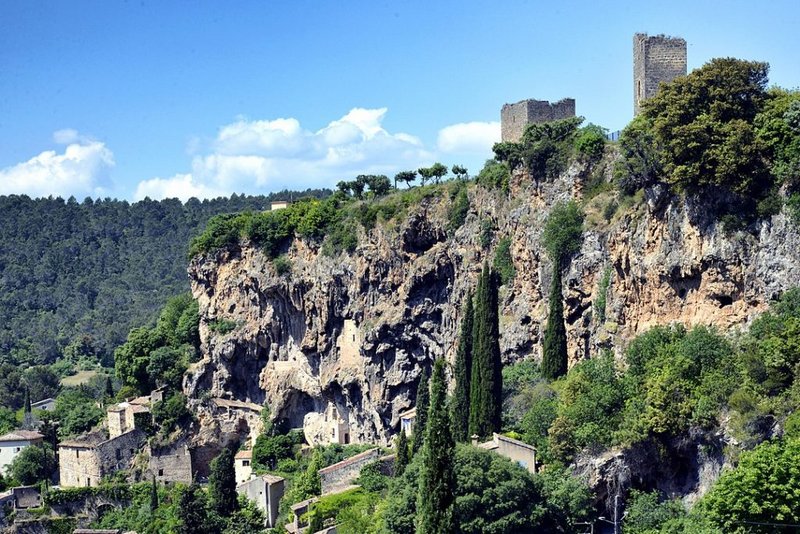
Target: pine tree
222	484
437	484
403	456
421	420
463	372
109	388
153	495
486	381
554	356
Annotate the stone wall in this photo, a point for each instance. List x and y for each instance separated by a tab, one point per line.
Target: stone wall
514	118
170	464
86	465
344	473
656	59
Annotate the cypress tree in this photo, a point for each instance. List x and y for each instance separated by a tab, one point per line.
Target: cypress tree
554	356
421	420
222	484
153	495
437	484
403	456
486	381
463	372
192	511
27	418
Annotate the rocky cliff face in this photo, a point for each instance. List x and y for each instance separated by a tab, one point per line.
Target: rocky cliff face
337	346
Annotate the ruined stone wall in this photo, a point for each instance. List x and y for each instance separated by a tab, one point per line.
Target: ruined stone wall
344	473
514	118
170	464
87	465
656	59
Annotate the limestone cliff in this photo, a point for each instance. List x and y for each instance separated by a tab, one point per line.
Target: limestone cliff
338	344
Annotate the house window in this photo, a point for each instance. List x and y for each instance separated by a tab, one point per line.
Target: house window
17	449
354	338
118	454
346	438
161	472
246	463
77	454
88	482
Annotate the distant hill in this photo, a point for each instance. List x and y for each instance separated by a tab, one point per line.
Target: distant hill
82	274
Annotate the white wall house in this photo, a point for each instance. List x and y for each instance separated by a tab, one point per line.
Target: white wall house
11	445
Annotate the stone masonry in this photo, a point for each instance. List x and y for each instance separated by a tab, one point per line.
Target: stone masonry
514	118
340	475
656	59
172	463
86	460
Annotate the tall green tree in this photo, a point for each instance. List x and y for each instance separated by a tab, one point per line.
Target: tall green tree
486	380
437	485
153	495
421	420
554	354
403	455
222	484
463	375
193	512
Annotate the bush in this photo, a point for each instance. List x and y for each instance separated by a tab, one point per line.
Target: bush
602	294
547	147
503	264
494	175
488	229
222	326
459	207
563	232
590	142
283	265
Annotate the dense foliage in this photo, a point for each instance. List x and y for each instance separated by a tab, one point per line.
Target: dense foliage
462	376
717	132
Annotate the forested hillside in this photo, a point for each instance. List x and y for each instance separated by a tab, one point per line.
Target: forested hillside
75	277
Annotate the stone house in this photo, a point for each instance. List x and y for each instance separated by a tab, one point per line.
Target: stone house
513	449
243	465
84	461
299	510
170	463
11	445
266	492
26	497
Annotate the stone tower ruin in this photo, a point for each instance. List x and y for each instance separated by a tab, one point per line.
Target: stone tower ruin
515	117
656	59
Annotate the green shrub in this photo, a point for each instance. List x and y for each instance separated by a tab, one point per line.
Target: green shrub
503	264
486	236
283	265
563	231
590	142
602	294
494	175
459	207
222	326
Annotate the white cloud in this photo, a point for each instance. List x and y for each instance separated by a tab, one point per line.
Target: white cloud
82	169
179	186
469	137
267	155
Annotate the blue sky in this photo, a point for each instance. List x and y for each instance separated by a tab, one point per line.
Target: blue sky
162	98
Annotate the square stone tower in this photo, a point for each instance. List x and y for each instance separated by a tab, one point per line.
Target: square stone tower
656	59
514	118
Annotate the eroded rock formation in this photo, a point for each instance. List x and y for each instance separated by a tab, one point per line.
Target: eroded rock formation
340	342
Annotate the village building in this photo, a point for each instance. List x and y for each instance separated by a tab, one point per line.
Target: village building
84	461
300	510
170	463
407	419
266	492
242	464
513	449
26	497
279	205
11	445
47	405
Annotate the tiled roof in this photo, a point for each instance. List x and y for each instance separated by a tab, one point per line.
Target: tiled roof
21	435
90	440
348	461
244	455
